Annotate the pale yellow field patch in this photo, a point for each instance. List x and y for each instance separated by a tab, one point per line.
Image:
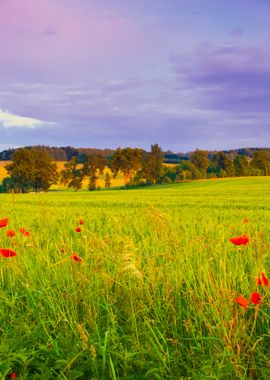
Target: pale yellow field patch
118	181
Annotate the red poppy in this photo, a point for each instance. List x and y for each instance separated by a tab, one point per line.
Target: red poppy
245	220
242	301
259	281
13	375
240	240
81	221
78	229
10	233
3	222
24	232
265	280
76	258
7	252
255	298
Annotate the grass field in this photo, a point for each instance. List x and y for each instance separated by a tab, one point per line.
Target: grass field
154	294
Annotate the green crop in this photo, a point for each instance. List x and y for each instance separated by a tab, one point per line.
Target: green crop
153	293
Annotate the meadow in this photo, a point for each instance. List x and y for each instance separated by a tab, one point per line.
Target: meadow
136	284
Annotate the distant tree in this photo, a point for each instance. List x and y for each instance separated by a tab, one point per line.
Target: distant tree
153	168
70	152
72	175
261	161
93	166
92	184
32	169
221	165
128	161
171	158
170	174
187	171
8	186
45	170
200	159
22	170
107	180
6	155
58	154
241	166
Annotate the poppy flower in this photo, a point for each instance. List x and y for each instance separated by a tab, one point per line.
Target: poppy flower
3	222
242	301
76	258
245	220
10	233
81	221
259	281
265	280
78	229
240	240
24	232
13	375
7	252
255	298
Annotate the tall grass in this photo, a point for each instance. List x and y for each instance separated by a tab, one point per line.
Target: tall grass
154	296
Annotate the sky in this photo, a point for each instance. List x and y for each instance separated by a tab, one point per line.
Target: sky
185	74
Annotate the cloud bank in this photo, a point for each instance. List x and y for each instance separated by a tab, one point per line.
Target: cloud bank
122	73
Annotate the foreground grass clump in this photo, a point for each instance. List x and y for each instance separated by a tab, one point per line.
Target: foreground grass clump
140	284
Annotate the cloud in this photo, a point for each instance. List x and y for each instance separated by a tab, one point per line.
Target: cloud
229	77
50	31
237	32
9	120
59	40
180	113
100	71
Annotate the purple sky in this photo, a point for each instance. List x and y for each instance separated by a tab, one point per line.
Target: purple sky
106	73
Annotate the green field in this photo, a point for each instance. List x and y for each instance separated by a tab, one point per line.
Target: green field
154	295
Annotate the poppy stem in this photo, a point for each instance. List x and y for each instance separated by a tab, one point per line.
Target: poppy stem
255	319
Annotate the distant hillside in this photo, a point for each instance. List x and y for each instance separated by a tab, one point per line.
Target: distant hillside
67	152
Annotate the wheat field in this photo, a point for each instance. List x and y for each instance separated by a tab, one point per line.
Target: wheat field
136	284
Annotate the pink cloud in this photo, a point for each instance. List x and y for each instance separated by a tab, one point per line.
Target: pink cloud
65	36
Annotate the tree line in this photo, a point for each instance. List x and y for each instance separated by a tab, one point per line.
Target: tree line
136	166
34	169
66	153
202	164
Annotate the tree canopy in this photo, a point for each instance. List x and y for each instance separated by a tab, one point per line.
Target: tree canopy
32	170
128	161
153	168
